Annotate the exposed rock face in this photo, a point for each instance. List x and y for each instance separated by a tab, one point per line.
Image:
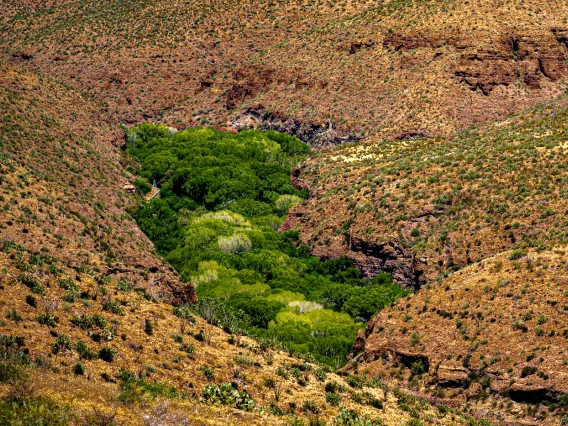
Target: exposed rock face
529	58
391	257
368	77
249	81
486	68
318	136
451	375
467	337
404	41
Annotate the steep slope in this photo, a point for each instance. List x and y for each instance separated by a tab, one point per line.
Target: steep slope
425	208
491	337
326	71
413	68
62	193
126	358
147	58
86	337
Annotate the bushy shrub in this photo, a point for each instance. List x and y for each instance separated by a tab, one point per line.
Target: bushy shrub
84	351
353	418
79	369
61	343
47	318
107	353
332	399
13	360
226	394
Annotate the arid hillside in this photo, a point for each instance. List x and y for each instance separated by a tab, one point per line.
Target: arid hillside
86	334
63	195
427	207
152	60
326	71
491	339
117	356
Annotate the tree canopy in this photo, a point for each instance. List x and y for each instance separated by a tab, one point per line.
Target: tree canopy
223	197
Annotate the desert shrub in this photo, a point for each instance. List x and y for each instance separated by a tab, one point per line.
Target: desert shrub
207	372
417	368
13	360
113	306
332	399
528	370
183	312
310	407
47	318
355	381
79	369
124	285
87	322
226	394
353	418
517	254
243	360
84	351
14	315
133	389
61	343
148	327
107	353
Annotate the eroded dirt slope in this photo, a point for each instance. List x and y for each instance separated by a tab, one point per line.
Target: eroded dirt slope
427	207
326	71
492	337
62	192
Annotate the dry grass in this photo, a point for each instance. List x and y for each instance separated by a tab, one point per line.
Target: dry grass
394	69
487	323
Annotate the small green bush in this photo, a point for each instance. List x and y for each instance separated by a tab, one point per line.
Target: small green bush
61	343
47	318
226	394
107	354
31	300
79	369
332	399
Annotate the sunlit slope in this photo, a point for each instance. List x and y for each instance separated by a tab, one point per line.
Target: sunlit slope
63	185
328	71
426	207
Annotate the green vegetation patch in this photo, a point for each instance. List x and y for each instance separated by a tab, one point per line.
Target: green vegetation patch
222	199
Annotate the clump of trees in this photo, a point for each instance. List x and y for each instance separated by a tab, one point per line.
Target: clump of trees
223	197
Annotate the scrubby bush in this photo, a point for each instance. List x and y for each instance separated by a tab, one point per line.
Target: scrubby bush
226	394
47	318
107	354
332	399
79	369
61	343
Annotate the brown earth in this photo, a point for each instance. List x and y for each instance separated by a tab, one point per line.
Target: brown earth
181	355
424	208
327	71
63	186
491	337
